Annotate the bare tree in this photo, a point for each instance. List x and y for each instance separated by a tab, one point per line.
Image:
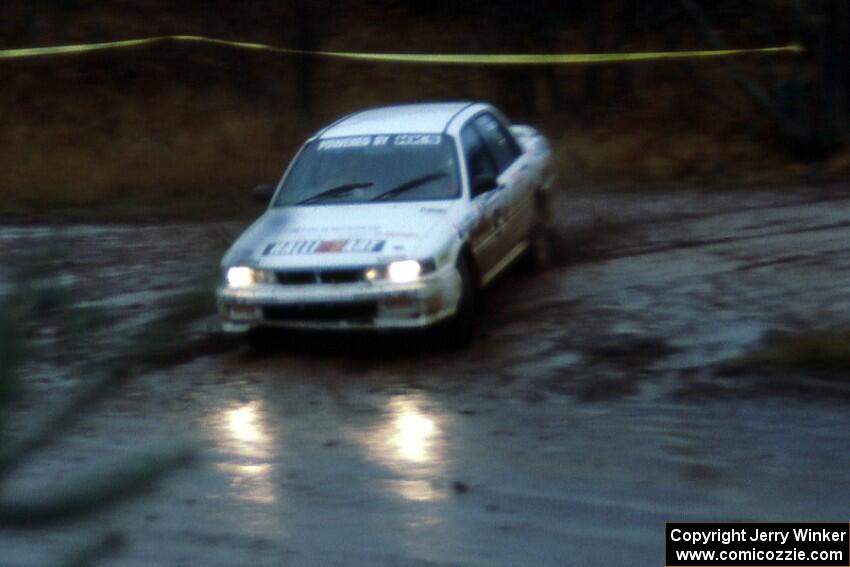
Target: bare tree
305	65
810	116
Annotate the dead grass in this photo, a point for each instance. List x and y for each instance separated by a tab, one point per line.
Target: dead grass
823	351
194	128
144	152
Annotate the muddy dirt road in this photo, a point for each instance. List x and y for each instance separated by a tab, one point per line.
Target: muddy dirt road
587	412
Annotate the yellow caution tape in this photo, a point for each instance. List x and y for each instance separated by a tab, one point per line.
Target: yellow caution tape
421	58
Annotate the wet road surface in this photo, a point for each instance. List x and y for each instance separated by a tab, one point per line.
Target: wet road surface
586	413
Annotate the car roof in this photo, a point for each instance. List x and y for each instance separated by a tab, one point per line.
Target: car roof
422	118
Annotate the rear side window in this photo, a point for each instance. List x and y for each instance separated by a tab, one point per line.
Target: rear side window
478	160
499	141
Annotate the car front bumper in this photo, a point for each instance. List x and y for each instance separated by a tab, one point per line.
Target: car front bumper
348	306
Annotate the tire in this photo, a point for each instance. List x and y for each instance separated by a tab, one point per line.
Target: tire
261	340
538	256
458	330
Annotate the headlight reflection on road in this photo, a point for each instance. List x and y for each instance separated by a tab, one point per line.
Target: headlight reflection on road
409	442
242	423
414	432
248	446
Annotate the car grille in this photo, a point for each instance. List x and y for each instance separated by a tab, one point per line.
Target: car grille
352	310
319	277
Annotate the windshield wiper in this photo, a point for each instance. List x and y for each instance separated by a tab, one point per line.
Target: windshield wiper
408	185
335	191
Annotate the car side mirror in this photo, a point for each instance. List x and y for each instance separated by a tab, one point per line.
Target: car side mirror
263	193
482	184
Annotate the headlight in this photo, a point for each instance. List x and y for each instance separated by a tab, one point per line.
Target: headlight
242	276
404	271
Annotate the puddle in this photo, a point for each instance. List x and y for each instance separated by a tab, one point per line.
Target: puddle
584	416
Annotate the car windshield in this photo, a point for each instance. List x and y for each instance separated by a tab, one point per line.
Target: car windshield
363	169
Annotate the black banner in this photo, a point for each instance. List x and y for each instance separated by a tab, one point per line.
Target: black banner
757	544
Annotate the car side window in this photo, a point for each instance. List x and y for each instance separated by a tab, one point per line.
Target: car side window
498	140
478	160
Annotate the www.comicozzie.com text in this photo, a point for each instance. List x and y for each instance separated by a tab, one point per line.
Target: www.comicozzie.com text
727	536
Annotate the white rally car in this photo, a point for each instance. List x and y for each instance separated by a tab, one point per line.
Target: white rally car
392	218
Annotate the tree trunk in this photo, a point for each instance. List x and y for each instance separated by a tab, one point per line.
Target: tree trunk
305	65
595	41
805	139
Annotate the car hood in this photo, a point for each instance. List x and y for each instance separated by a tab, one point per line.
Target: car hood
339	235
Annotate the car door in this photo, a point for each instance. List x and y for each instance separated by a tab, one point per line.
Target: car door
514	193
484	232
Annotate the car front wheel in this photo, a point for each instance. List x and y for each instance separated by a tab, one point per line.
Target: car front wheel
261	340
458	329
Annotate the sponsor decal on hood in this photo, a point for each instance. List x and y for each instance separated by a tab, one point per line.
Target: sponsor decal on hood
352	246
